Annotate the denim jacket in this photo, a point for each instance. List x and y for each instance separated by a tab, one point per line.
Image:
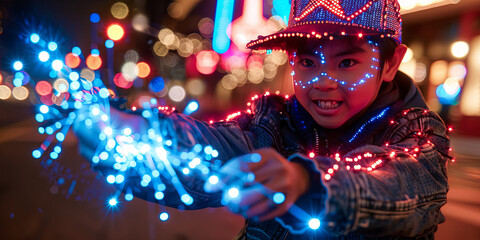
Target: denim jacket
400	199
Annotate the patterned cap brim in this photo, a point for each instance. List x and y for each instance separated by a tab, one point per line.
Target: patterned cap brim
314	30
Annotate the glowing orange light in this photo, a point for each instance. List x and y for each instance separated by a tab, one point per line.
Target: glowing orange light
1	78
72	60
111	92
143	69
121	81
311	155
43	88
94	62
115	32
328	177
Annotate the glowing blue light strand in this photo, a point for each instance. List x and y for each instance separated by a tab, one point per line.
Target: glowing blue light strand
154	156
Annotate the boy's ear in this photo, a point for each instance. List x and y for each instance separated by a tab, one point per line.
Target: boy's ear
391	66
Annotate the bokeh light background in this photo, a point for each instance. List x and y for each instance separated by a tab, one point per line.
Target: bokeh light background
178	52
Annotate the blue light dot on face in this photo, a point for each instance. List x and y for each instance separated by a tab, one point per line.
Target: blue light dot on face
77	51
186	171
112	202
110	179
163	216
52	46
159	195
314	223
94	18
17	65
41	130
109	43
34	38
95	159
278	198
95	52
187	199
129	197
43	56
36	153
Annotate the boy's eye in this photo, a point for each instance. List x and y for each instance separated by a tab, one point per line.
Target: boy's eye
346	63
307	63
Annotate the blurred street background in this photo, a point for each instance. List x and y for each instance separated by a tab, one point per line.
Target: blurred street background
179	57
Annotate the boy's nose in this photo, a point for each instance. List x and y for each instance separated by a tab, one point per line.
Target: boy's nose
325	83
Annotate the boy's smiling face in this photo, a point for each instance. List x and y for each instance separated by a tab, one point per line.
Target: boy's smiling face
337	80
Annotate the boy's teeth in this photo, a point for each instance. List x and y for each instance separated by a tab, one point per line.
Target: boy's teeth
328	104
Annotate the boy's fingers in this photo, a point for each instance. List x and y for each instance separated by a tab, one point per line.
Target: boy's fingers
252	195
276	212
261	208
237	170
248	162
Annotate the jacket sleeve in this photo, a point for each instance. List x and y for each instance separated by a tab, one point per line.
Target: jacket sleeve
162	187
393	189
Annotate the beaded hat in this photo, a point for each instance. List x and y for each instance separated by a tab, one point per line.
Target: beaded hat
330	18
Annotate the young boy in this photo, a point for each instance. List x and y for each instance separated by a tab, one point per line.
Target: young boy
355	154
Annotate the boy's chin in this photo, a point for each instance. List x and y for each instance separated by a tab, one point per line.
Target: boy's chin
330	123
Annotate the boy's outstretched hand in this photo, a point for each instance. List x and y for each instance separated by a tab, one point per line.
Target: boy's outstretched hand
268	184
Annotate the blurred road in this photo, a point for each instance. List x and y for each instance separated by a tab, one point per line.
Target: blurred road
36	204
463	208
